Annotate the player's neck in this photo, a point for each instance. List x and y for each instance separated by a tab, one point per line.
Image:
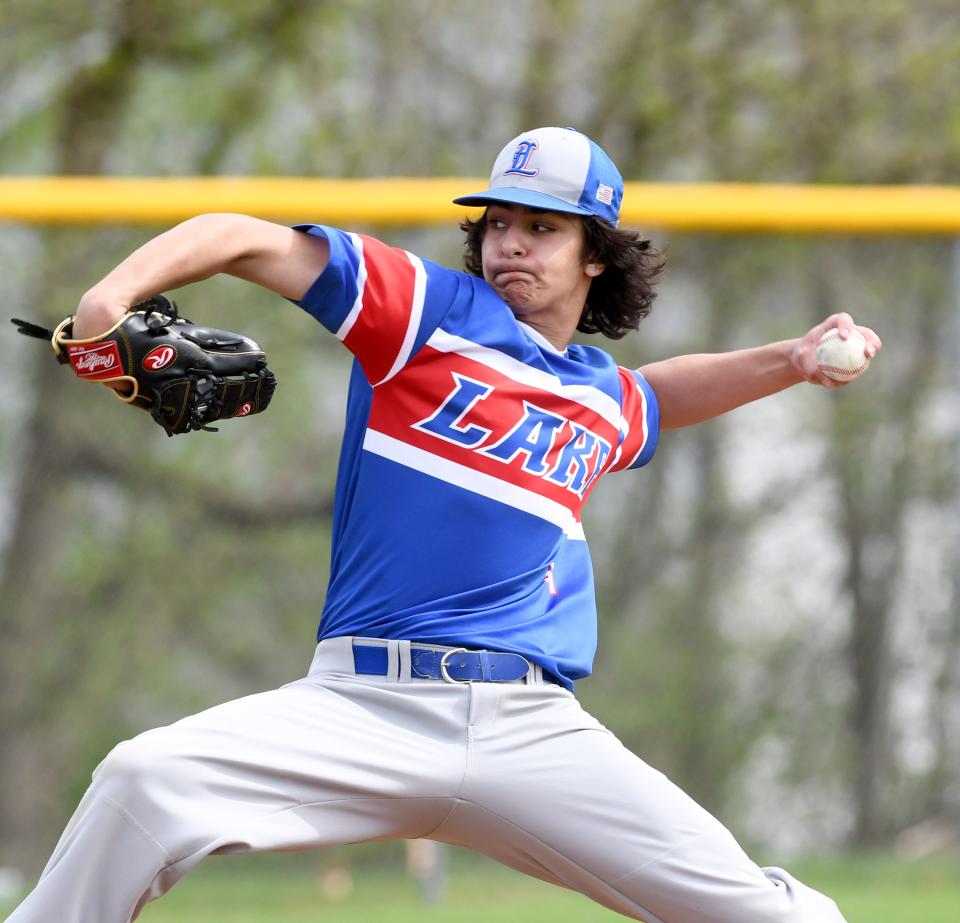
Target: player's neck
557	334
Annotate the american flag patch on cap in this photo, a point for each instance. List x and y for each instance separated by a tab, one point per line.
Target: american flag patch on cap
604	194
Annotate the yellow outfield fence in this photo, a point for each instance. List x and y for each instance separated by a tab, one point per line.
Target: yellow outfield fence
729	207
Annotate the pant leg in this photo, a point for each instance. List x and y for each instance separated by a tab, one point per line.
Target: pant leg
326	760
551	792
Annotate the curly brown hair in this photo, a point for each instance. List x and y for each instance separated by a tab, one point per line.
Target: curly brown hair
621	296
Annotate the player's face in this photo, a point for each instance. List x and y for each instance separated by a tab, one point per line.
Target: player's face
534	261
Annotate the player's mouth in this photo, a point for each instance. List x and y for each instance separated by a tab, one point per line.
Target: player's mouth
509	276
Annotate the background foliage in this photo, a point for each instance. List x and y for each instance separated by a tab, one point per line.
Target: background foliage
778	591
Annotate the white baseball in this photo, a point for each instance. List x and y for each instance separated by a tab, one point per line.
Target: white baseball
839	359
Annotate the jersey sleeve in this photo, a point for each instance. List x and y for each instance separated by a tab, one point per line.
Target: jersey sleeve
640	426
380	301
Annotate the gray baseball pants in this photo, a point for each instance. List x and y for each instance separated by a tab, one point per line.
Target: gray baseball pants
517	771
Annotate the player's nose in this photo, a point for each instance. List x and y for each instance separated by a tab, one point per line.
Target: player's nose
512	243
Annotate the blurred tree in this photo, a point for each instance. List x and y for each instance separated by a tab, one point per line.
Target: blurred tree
30	688
767	654
68	604
687	101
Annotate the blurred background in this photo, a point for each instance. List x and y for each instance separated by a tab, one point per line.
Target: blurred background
778	591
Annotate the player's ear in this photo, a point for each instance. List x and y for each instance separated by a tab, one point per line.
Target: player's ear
592	247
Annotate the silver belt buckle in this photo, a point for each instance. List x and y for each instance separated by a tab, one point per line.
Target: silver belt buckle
443	666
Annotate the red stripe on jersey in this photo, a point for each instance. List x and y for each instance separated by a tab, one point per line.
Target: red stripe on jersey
635	413
377	335
431	373
425	384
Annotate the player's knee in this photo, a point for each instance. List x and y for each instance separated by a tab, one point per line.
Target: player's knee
137	769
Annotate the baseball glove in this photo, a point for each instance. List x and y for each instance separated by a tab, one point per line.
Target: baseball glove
185	375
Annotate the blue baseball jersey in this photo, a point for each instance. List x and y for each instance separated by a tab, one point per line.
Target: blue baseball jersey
471	445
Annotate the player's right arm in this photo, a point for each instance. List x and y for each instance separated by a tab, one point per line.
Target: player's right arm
695	388
271	255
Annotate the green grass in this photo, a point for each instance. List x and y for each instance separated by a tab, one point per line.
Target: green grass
883	890
288	889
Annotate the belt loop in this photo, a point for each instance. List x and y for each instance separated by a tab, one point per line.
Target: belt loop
485	666
393	659
403	656
535	675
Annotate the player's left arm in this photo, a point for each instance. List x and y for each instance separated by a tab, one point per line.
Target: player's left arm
694	388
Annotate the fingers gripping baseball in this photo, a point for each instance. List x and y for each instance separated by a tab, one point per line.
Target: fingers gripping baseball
835	351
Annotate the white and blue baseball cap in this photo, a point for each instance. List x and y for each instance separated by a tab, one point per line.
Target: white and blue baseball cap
556	169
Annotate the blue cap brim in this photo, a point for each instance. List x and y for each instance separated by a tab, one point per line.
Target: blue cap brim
528	197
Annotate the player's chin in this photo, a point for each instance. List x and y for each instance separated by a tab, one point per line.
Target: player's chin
517	296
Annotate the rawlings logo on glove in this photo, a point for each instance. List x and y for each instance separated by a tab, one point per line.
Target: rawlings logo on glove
185	375
95	362
159	358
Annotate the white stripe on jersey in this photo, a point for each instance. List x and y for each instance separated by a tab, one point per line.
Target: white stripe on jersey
351	318
475	481
591	398
416	312
643	422
624	433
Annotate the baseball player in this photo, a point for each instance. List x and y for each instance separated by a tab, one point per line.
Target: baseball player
460	609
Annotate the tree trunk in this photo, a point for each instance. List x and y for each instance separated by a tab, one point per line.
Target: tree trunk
29	797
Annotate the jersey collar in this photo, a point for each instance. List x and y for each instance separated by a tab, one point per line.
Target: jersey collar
540	339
